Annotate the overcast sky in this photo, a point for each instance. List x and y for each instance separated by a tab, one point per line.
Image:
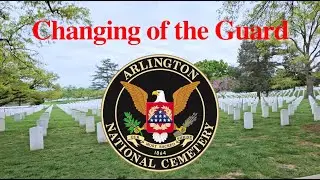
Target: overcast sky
75	61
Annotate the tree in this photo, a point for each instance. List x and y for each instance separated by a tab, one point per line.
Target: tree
74	92
256	66
55	93
304	25
21	74
283	81
104	74
224	84
213	68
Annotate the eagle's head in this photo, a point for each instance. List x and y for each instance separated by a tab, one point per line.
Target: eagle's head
160	95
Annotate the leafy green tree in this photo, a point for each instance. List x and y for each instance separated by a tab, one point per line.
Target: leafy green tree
304	26
74	92
104	74
283	81
21	74
257	68
213	69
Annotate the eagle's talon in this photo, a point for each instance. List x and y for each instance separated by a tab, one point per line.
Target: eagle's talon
138	129
182	129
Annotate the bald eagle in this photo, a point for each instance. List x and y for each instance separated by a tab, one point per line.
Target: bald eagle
180	99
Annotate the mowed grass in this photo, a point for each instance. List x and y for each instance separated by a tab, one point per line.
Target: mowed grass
266	151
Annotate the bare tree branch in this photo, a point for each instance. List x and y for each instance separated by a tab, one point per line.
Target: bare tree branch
316	65
317	45
312	31
296	44
7	40
53	11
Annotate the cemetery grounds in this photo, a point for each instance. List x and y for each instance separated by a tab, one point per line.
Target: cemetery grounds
269	150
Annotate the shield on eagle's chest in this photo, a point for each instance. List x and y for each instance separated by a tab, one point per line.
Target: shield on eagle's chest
159	117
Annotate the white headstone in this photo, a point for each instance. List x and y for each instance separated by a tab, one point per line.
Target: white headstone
274	107
245	106
77	116
284	117
2	114
248	120
17	117
230	109
253	108
94	112
236	114
2	125
82	120
280	102
290	109
43	125
90	124
101	137
36	138
265	111
45	116
317	113
313	106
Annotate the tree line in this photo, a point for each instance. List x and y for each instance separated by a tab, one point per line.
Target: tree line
23	77
262	65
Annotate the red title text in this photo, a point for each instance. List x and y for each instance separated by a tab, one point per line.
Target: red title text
184	30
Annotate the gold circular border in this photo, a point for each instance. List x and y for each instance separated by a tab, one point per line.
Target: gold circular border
203	119
170	56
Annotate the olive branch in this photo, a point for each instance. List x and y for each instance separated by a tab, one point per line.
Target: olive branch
131	123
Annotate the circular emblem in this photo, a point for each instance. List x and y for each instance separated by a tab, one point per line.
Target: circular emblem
160	113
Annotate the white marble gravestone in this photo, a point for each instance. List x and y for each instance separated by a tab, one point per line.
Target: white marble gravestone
265	111
90	124
280	102
316	115
94	111
2	121
2	114
17	117
43	125
245	106
284	117
36	138
274	107
77	116
230	109
253	108
45	116
82	120
290	110
313	106
101	137
236	114
248	120
2	124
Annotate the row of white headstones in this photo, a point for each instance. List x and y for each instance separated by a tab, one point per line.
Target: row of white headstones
232	105
38	132
18	113
79	111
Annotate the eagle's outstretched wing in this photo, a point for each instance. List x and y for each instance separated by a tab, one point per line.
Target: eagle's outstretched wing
181	96
138	95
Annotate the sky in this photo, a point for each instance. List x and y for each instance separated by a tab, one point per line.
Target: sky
75	61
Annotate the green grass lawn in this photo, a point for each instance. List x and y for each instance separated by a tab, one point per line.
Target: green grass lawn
267	151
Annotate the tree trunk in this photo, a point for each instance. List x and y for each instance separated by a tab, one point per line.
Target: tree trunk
259	94
310	82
